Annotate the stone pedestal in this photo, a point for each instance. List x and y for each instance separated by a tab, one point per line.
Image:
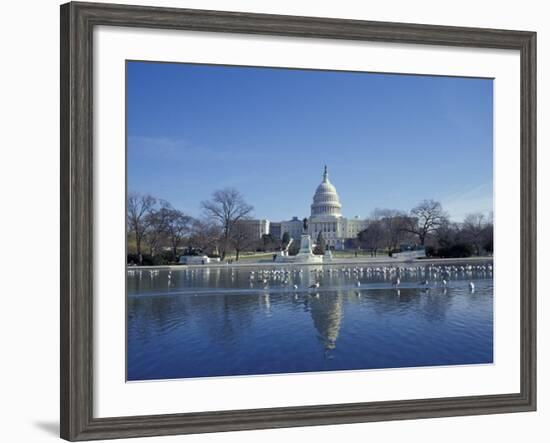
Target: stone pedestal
305	245
282	257
305	254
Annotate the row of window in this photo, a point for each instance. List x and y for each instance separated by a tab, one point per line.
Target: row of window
324	227
325	209
326	199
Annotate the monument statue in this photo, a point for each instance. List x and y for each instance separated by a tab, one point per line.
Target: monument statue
305	225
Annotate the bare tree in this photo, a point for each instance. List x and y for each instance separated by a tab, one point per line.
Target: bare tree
241	238
269	243
488	238
393	223
138	207
425	219
447	234
204	236
226	208
474	228
372	237
489	233
177	227
156	229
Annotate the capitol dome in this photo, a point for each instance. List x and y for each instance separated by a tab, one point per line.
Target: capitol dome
326	200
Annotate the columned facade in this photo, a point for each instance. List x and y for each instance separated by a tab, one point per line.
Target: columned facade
325	217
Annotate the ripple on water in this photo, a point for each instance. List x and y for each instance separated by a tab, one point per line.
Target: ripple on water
212	323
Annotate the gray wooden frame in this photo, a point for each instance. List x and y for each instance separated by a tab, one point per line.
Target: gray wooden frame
77	24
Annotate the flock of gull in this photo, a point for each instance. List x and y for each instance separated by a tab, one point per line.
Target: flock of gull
427	277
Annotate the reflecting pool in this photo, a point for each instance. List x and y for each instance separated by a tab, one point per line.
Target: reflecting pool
220	321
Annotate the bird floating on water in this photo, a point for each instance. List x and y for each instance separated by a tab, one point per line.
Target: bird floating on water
472	286
314	286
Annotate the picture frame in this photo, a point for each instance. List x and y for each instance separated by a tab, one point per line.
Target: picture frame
78	21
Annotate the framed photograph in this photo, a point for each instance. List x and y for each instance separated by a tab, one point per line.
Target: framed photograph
272	221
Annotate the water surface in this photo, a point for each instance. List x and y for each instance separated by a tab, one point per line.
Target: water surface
201	321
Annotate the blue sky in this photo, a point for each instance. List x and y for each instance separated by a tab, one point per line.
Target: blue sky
389	141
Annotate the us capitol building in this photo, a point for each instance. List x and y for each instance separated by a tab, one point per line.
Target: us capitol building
326	217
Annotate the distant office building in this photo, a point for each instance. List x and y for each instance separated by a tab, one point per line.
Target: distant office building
255	228
293	227
275	229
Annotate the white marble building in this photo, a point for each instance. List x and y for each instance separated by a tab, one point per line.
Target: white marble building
293	227
326	217
256	228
